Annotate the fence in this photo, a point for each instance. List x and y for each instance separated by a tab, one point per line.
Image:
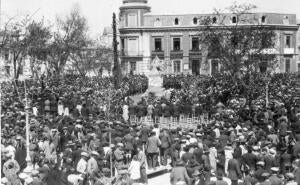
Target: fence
184	122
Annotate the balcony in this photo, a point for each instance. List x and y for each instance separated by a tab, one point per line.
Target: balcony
126	54
176	54
159	53
195	53
288	51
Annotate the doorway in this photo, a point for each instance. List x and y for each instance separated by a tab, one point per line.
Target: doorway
195	67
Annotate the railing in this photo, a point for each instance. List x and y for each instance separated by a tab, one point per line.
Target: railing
126	53
184	122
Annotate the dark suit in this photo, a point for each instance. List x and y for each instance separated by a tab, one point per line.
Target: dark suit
165	146
250	160
234	172
152	148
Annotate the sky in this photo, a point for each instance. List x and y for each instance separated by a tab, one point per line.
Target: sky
99	12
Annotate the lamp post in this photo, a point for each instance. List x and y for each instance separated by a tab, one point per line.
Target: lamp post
267	78
29	166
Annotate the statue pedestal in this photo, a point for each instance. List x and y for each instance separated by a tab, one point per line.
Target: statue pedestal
155	80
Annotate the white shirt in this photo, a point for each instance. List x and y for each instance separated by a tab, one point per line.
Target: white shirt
81	166
134	170
60	109
217	131
156	130
193	140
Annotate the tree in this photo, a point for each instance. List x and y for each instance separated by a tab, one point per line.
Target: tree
116	69
91	59
239	40
70	37
38	36
242	44
13	39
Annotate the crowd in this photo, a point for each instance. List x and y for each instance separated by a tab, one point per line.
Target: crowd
73	142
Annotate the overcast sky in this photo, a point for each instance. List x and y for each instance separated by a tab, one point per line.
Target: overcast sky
99	12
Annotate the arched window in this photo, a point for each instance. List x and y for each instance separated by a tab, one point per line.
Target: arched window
233	19
176	22
214	20
195	20
263	19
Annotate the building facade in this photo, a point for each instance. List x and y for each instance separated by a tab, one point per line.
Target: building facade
145	37
298	48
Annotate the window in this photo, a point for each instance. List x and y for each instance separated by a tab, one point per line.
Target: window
214	20
177	66
234	19
133	66
176	22
7	70
285	20
21	70
157	22
195	20
176	44
287	65
132	20
287	41
6	55
132	46
195	44
157	44
122	45
263	19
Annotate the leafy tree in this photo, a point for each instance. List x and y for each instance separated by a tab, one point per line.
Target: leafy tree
239	40
92	59
70	37
38	36
243	45
13	39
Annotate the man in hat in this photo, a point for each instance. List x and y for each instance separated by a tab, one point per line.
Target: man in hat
11	169
249	160
119	155
165	145
234	172
129	142
82	164
142	159
152	148
290	179
179	174
20	152
92	165
283	127
274	179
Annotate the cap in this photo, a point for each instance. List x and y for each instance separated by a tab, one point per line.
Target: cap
275	169
272	151
120	144
84	154
94	153
266	174
290	175
261	163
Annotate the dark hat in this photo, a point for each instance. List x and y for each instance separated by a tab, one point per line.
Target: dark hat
43	170
179	163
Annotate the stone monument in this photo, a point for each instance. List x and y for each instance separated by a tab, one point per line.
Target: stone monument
154	75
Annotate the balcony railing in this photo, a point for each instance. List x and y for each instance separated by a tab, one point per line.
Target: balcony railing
126	53
289	51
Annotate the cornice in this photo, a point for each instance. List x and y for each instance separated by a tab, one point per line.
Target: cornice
197	28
